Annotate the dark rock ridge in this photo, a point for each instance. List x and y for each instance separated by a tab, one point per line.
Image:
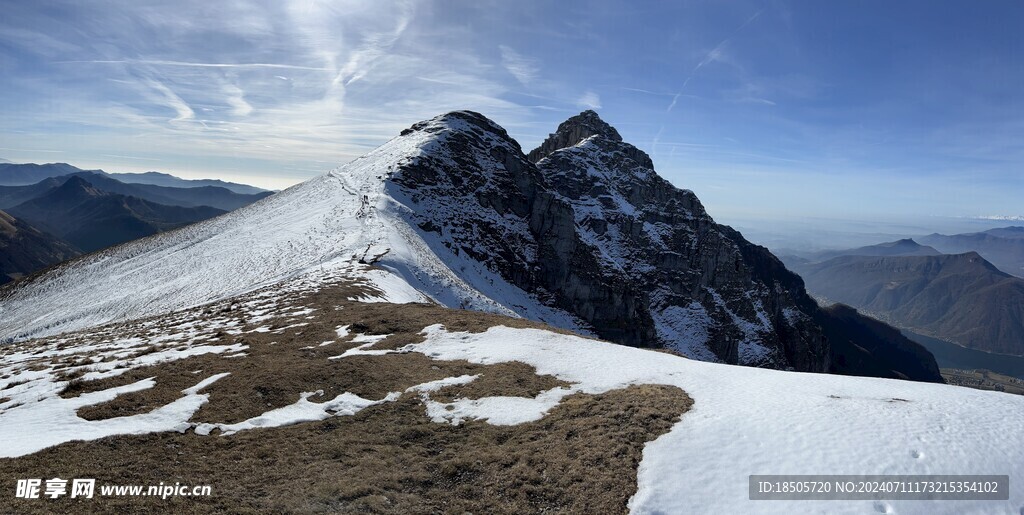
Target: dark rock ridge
864	346
590	228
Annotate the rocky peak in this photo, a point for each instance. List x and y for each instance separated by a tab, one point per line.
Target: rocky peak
75	188
573	131
467	122
585	126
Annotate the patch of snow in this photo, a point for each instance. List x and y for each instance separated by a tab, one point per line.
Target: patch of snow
750	351
367	340
115	368
685	329
757	421
434	386
54	420
498	410
302	411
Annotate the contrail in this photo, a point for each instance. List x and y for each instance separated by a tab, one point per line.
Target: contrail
715	53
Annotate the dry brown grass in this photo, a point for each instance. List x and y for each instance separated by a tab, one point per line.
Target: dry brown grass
390	458
581	458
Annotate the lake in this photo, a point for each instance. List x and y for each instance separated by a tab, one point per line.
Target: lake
950	355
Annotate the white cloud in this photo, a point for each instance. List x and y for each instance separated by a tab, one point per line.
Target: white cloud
524	70
589	100
156	62
236	99
170	99
309	83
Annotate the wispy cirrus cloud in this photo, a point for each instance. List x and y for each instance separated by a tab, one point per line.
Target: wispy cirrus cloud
171	100
356	74
524	70
589	100
236	99
274	91
158	62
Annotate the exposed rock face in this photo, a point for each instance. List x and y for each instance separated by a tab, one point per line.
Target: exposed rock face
592	229
579	128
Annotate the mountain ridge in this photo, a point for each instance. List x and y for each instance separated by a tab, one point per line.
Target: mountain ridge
961	298
211	196
21	174
91	219
25	249
451	210
1003	247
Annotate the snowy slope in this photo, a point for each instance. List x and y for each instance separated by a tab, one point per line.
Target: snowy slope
748	421
325	225
743	420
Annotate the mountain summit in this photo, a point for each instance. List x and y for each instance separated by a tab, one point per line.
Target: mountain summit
573	131
588	238
593	232
579	128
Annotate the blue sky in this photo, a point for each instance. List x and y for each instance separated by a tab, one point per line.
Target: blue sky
766	108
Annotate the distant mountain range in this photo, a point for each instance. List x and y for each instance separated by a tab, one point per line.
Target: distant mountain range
24	249
190	196
960	298
92	219
1003	247
62	216
22	174
163	179
905	247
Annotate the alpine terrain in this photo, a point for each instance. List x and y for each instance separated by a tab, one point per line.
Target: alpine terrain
449	324
589	238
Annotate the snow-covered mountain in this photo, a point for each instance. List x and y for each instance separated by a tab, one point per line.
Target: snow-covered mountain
589	238
345	216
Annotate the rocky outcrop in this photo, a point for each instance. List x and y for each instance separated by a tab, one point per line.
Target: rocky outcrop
696	286
593	230
579	128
